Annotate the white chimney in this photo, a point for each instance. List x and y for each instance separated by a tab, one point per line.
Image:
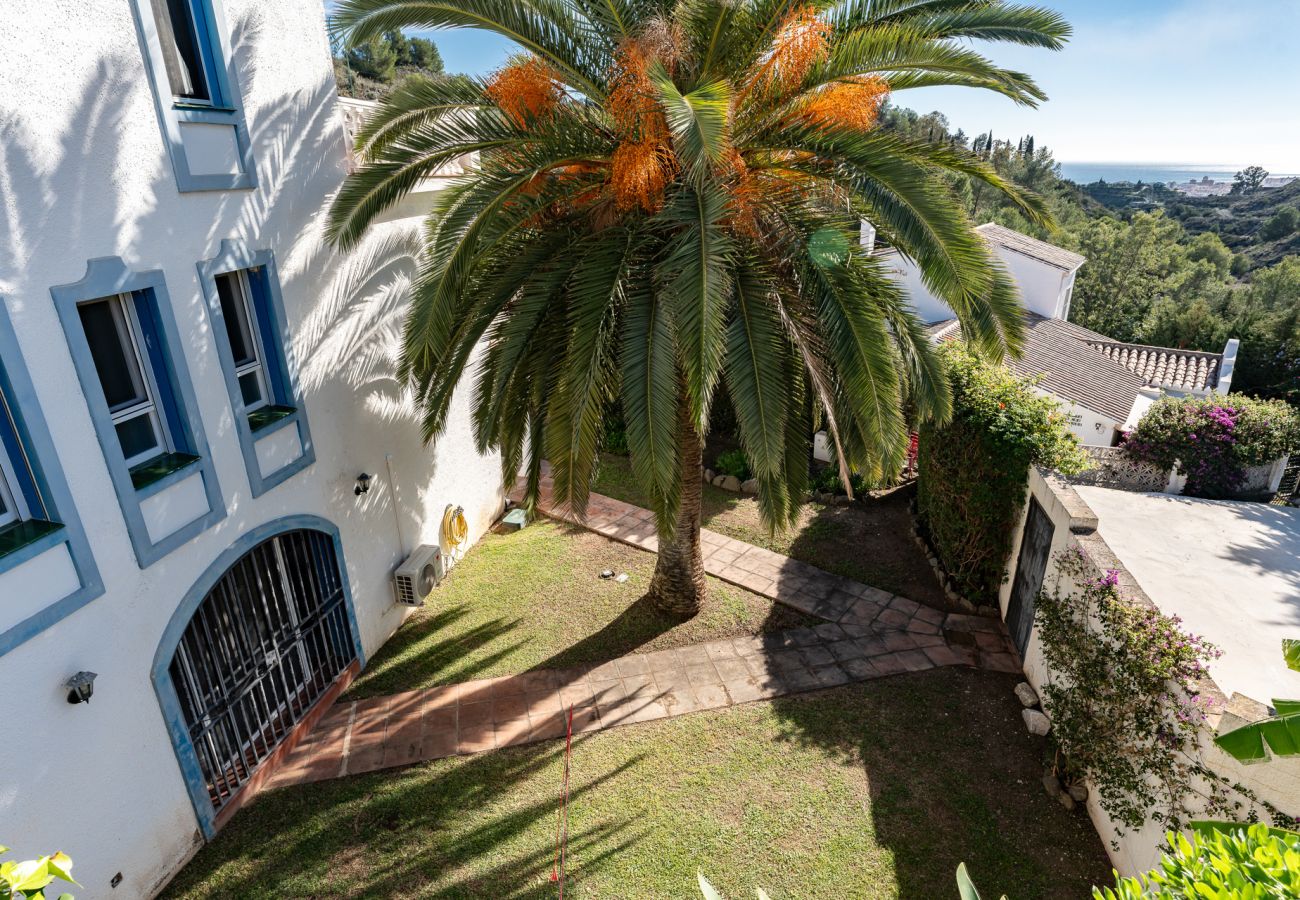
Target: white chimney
868	236
1227	363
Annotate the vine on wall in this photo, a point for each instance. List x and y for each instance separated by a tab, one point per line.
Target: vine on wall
1124	699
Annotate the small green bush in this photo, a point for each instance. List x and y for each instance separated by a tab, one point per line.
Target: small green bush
828	481
1214	439
28	879
1245	863
973	471
614	439
733	462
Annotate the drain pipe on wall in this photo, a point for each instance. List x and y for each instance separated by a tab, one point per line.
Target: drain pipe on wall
397	516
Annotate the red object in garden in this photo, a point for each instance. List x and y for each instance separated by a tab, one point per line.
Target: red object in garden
562	814
912	446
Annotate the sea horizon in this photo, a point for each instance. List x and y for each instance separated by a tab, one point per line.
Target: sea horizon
1151	173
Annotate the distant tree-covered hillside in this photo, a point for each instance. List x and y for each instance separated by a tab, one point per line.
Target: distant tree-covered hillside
1264	225
371	70
1162	268
1261	224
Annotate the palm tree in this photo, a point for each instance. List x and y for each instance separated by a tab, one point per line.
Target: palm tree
666	203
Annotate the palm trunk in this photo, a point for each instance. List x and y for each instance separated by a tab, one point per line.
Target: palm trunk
677	587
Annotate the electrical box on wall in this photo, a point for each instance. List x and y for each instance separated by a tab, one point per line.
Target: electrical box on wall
415	579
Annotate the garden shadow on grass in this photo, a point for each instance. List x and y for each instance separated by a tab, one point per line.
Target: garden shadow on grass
634	627
953	777
409	656
354	836
870	541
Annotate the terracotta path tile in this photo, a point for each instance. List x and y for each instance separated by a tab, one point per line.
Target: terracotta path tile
868	633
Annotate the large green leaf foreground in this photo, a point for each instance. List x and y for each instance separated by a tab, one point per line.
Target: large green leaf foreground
1221	861
666	203
1280	733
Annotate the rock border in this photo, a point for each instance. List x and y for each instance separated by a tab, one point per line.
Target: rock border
946	581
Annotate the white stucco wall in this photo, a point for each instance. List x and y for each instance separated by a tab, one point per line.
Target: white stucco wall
1044	289
1276	781
929	308
85	174
1091	428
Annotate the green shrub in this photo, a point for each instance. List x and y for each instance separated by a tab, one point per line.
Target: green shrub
614	440
1214	439
1123	696
974	469
28	879
733	462
1243	863
828	481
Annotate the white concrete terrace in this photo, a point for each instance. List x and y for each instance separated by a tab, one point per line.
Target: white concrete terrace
1230	569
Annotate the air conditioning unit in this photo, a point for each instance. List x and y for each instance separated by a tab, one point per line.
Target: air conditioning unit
415	579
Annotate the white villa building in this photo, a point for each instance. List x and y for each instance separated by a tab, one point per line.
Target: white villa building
208	471
1104	386
189	396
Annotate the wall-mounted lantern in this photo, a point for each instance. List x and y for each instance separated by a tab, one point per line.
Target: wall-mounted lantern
80	687
363	484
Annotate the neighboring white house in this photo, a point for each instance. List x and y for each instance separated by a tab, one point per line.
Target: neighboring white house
192	385
1104	386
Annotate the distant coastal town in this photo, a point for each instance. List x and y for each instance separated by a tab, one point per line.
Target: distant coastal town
1208	187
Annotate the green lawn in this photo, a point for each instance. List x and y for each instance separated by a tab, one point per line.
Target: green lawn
869	541
872	790
535	599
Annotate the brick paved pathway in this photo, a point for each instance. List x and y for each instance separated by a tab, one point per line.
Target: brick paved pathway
780	578
382	732
868	633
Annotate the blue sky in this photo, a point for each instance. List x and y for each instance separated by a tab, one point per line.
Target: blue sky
1177	81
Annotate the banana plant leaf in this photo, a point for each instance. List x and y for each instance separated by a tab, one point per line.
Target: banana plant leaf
1280	733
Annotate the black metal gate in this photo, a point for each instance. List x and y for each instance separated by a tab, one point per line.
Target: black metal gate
264	644
1289	488
1030	568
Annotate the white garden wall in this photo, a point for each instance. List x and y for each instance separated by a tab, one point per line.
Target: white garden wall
85	174
1276	781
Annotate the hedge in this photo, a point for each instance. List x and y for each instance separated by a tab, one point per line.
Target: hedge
974	469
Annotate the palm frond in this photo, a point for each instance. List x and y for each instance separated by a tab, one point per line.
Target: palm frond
589	377
545	28
699	121
650	390
417	104
698	258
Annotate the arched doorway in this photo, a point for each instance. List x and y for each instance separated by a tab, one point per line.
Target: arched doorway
266	636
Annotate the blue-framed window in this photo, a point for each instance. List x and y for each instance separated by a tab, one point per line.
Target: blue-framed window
26	515
248	323
43	517
189	50
195	87
122	334
254	345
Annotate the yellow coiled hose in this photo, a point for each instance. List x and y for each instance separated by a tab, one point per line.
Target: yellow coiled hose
455	529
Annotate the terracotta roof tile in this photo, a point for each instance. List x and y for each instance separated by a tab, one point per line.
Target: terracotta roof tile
1191	370
1064	364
